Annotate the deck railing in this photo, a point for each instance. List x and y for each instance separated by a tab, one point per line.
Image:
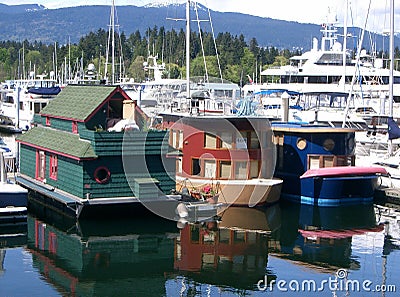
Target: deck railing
10	164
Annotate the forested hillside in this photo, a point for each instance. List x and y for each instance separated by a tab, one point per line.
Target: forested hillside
38	39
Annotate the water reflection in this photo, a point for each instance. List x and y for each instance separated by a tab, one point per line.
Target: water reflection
11	236
321	237
140	256
103	258
150	256
232	253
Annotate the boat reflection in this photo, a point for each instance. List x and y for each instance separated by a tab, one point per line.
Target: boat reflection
11	236
146	256
232	252
103	258
321	237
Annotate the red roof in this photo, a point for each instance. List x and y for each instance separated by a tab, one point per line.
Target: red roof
338	234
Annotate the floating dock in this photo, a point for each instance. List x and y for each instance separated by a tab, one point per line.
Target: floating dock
388	195
74	207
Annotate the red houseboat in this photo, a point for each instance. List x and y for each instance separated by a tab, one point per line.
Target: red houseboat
229	156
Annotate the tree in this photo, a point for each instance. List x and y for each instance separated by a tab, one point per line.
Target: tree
136	70
248	63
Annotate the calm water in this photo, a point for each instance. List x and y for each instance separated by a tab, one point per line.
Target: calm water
249	252
288	249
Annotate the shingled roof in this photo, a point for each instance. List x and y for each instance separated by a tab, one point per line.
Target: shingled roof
56	141
77	102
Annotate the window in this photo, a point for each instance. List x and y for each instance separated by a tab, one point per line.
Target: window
328	161
180	139
329	144
226	140
195	167
254	141
241	141
241	170
210	141
102	175
313	162
36	107
179	165
254	169
48	121
75	127
278	140
53	167
301	143
209	168
320	161
174	138
40	165
225	169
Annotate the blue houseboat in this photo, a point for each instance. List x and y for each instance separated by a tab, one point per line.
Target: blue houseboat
316	163
91	152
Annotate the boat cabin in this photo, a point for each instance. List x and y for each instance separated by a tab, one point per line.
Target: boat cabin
91	142
301	147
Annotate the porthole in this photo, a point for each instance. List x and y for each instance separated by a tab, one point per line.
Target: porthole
301	143
102	175
329	144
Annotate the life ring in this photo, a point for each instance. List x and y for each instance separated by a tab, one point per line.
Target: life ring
102	175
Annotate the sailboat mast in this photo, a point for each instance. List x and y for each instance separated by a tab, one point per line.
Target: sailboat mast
391	58
188	49
113	43
345	44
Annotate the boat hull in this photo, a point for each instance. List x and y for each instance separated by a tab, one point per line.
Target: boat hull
249	193
335	191
12	195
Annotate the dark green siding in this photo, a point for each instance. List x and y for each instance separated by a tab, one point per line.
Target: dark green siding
69	177
117	186
28	163
162	169
131	143
60	124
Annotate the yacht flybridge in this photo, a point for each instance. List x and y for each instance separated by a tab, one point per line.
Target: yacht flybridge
329	65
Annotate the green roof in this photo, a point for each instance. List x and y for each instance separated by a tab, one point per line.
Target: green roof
77	102
61	142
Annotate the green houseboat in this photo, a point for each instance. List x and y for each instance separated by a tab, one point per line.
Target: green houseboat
89	152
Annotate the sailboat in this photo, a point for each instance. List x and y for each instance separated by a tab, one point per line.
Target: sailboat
386	149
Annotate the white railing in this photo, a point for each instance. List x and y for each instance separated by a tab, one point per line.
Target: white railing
10	164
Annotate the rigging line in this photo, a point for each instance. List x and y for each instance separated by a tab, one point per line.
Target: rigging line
215	44
384	26
121	53
201	39
357	65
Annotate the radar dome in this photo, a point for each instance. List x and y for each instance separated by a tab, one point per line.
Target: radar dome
91	67
337	47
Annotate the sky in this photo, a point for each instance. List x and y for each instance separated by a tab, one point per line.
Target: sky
303	11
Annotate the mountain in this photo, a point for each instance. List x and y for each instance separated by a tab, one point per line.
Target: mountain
17	9
36	23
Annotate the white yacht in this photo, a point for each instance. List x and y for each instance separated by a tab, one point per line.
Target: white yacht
328	66
23	98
